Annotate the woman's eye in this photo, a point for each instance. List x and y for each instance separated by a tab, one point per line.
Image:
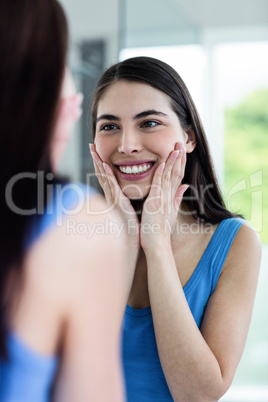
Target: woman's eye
108	127
149	123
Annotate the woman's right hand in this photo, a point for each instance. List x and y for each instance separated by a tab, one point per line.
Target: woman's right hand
118	201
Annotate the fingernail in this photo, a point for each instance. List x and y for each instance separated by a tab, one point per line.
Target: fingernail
179	146
91	147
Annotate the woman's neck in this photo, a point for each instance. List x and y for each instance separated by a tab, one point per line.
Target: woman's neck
183	215
138	206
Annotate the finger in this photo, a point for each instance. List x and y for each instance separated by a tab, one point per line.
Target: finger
91	147
119	199
117	196
98	165
179	195
155	189
101	173
183	164
166	179
96	157
113	183
177	172
154	200
179	166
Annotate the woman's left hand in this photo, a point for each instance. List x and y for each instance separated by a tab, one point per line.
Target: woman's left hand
163	202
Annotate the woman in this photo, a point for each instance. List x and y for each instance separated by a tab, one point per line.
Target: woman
193	265
61	299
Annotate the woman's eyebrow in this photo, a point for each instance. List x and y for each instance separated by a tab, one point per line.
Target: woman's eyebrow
107	117
148	113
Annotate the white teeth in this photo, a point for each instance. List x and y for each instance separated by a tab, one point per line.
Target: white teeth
134	169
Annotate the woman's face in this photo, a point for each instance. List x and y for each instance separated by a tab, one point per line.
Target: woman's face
136	131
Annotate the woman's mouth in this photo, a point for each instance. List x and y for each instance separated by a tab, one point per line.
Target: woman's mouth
135	171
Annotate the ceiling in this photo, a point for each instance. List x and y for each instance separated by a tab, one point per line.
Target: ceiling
162	22
185	20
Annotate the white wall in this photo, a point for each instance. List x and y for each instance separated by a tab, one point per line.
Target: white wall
91	19
87	20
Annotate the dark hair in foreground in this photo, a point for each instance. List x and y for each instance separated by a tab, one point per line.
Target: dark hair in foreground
203	196
33	48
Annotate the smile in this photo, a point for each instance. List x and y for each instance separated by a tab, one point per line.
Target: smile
135	169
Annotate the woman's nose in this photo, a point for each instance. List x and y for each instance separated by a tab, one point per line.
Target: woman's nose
129	143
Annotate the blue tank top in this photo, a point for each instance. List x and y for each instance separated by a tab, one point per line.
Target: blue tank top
145	380
27	376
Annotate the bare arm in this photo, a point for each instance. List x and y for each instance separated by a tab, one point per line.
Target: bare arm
199	365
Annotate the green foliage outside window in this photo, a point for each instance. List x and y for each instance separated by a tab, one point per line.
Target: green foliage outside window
246	160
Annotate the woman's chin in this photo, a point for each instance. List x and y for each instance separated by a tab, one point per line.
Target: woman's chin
135	195
135	192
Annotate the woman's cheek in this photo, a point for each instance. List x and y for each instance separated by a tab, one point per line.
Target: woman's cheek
165	154
101	148
163	146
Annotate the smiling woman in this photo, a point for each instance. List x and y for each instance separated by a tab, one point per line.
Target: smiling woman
130	127
192	275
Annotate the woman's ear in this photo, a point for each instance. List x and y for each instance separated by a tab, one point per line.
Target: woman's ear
190	141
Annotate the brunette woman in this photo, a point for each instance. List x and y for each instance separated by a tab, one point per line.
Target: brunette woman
61	299
193	265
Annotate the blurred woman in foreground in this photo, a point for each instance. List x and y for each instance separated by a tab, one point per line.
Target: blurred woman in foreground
61	300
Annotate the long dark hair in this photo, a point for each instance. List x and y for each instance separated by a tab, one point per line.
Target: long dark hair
203	196
33	48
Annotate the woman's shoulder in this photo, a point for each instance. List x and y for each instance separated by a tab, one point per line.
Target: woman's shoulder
65	269
66	232
245	251
64	200
84	232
